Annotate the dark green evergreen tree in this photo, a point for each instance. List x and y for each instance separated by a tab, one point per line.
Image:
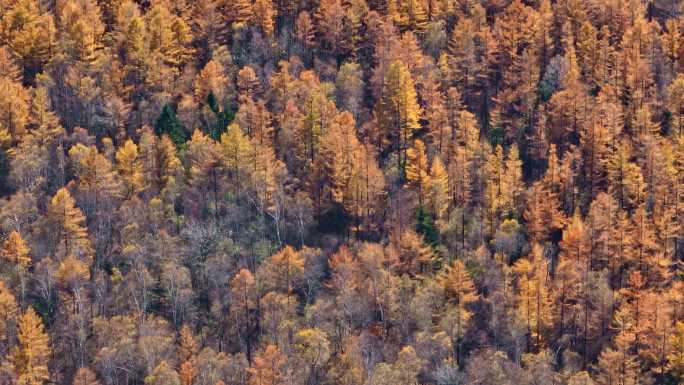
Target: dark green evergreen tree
168	123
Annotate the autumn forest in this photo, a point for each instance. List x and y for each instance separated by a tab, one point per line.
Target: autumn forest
352	192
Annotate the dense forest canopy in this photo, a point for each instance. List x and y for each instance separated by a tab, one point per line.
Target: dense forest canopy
352	192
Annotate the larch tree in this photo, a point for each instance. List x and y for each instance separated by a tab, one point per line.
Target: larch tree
97	182
418	171
675	359
439	193
32	354
676	104
14	107
30	34
398	112
66	224
9	311
460	295
129	167
243	293
15	251
205	174
284	267
533	295
235	149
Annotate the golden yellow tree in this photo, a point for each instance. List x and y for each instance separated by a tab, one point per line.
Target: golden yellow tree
8	314
66	222
418	170
398	112
439	193
16	252
32	354
534	303
129	167
460	295
235	150
675	360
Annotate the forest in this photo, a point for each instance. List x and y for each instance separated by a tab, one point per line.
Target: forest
341	192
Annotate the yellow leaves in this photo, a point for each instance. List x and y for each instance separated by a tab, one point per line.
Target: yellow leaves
8	309
345	169
625	179
404	371
398	112
676	104
93	170
288	264
241	12
458	284
339	149
15	250
418	170
5	141
129	167
266	174
671	42
211	79
81	29
439	188
14	108
235	149
242	290
675	360
30	357
533	297
415	257
29	32
67	221
312	346
163	374
73	272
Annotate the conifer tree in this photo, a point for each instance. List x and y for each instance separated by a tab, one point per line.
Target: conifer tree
235	150
29	32
397	111
16	252
418	171
14	107
439	189
675	358
8	315
534	298
66	222
461	294
129	168
168	123
32	354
